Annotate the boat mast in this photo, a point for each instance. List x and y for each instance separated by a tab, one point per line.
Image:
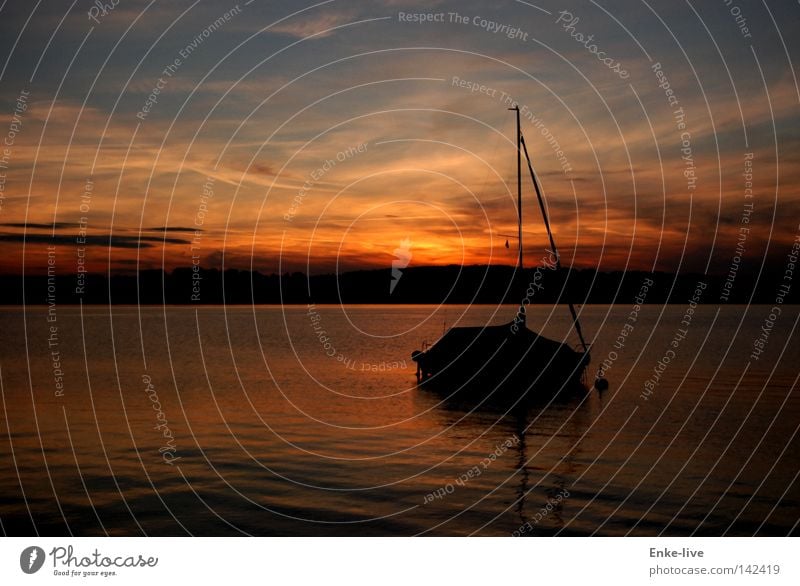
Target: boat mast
519	189
521	312
521	141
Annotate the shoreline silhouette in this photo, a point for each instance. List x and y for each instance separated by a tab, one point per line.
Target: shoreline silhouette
451	285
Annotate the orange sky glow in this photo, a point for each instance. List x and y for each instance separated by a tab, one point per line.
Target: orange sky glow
368	131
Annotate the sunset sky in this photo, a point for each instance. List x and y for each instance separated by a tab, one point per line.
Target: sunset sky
319	136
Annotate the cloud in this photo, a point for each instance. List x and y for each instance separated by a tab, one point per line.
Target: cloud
174	229
318	25
95	240
41	226
430	141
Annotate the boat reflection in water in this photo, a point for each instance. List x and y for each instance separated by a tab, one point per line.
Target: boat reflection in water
542	453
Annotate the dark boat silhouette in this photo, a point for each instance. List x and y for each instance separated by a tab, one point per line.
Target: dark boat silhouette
508	357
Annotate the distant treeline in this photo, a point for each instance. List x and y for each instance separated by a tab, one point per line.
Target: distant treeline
448	284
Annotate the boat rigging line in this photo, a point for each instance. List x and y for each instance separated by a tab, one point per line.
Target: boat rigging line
522	148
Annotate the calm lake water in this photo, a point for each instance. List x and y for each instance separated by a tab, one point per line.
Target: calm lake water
228	421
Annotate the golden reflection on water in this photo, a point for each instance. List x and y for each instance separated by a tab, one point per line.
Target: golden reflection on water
268	434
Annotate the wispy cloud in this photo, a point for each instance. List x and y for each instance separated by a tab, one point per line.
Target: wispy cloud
106	240
318	25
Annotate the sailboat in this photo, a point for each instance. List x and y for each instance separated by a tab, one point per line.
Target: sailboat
509	356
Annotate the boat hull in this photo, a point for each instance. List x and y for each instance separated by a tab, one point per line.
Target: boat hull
499	360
